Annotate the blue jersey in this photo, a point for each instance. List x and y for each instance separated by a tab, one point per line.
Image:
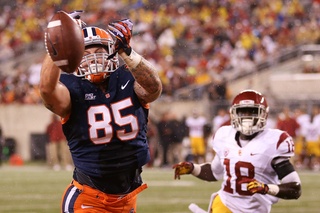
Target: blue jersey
106	132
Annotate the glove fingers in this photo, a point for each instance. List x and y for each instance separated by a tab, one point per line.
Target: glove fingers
119	35
251	185
76	14
128	22
114	31
81	23
121	32
122	27
175	166
177	173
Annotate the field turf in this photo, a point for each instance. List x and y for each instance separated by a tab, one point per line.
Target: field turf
36	189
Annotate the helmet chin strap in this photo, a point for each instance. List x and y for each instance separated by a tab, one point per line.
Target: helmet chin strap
97	73
97	78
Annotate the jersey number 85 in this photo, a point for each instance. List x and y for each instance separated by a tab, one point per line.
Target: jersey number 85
104	124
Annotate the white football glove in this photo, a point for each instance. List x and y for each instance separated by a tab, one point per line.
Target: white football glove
76	17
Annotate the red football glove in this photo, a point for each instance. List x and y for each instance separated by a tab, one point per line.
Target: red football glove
122	30
182	169
255	186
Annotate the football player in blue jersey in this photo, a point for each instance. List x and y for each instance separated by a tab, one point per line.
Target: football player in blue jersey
104	111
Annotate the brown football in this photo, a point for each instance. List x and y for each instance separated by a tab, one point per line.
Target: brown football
64	42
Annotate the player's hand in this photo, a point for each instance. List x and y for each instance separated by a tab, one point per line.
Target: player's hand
255	186
122	30
76	16
182	169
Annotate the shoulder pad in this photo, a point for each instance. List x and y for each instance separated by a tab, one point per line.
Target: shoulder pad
285	145
221	134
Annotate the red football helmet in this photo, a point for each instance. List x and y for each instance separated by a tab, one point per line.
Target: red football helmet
98	71
249	112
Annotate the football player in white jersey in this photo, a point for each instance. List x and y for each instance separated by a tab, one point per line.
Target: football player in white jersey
311	139
253	161
196	125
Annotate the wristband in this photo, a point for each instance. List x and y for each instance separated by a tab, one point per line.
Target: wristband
196	169
132	60
273	189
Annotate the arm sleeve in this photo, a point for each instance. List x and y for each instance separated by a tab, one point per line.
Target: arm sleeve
217	168
285	170
292	177
290	187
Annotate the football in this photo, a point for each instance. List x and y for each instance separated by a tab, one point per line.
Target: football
64	42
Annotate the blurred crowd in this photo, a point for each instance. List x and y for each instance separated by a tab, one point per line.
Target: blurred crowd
170	137
191	42
311	69
303	126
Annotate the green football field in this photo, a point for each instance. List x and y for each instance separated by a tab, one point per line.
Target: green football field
36	189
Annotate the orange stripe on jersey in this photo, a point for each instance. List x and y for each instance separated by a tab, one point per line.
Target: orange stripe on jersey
64	120
282	138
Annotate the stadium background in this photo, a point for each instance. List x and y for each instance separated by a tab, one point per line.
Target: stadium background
205	51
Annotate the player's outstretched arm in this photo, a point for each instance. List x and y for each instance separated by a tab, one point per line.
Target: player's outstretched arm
55	95
147	86
202	171
290	190
290	187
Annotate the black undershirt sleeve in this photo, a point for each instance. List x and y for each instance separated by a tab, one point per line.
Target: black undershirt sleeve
283	168
287	190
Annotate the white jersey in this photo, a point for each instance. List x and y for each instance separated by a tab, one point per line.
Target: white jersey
303	121
316	119
311	131
196	126
251	161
